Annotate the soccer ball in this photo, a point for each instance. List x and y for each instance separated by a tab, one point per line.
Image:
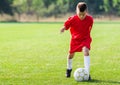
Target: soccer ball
81	74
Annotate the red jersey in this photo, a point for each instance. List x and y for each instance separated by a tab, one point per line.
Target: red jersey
80	32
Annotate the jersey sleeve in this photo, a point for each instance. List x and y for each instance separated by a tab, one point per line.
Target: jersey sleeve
68	23
91	24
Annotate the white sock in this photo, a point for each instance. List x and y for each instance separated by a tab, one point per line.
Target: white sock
87	62
69	63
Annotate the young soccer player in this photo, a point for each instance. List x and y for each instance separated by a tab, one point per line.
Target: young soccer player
80	26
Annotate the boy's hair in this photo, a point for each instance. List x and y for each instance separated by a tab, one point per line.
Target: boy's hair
82	6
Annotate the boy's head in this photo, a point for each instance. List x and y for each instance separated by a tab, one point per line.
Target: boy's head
81	10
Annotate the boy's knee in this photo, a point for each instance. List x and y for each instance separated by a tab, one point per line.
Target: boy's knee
85	51
70	55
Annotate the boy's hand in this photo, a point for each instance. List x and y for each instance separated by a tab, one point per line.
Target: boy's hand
62	30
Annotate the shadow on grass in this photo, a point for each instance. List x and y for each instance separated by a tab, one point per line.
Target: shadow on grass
104	81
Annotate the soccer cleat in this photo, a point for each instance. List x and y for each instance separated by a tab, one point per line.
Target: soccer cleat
68	73
89	78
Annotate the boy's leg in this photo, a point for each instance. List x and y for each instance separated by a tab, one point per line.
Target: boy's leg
69	64
86	59
69	60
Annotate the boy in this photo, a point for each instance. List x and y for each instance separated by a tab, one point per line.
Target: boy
80	26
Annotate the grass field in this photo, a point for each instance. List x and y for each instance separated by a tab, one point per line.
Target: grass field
35	54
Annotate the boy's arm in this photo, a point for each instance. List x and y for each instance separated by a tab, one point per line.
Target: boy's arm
62	29
67	24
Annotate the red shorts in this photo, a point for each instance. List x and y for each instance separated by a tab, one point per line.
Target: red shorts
76	45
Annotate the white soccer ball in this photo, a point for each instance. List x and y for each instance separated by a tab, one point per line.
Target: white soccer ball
81	74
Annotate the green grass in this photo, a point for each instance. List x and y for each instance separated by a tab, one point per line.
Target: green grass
35	54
